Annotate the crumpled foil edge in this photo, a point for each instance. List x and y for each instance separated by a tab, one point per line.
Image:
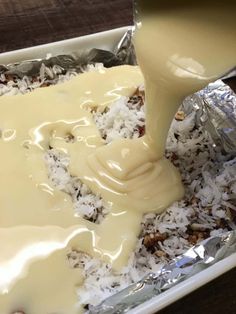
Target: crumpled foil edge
216	111
199	257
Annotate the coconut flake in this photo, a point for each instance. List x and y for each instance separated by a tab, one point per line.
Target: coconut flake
207	173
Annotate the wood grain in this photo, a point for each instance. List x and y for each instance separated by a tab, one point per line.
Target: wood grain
25	23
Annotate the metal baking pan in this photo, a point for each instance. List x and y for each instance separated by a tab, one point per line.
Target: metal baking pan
108	40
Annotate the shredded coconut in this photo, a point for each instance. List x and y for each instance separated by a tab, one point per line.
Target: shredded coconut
208	208
124	119
86	204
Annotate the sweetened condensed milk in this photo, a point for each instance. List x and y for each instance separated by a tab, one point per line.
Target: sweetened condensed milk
181	48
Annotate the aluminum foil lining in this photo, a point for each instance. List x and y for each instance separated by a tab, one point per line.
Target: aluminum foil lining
216	103
219	105
216	106
193	261
216	110
77	61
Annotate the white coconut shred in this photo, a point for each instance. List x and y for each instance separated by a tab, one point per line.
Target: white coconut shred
208	208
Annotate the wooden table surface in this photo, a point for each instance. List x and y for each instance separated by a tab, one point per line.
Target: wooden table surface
25	23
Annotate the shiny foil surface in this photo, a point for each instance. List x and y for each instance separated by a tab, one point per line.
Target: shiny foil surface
216	111
193	261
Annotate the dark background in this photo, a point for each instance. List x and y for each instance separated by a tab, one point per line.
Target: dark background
25	23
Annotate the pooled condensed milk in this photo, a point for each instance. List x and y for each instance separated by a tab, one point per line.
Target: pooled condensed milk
180	49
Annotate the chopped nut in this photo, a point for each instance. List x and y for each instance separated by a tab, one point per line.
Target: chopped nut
180	116
229	213
141	130
193	200
138	98
152	239
70	138
10	77
34	79
160	253
140	92
192	239
174	157
45	84
198	227
200	236
221	223
197	236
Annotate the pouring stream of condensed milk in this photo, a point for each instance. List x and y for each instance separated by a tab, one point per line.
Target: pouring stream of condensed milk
181	47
